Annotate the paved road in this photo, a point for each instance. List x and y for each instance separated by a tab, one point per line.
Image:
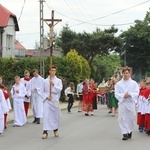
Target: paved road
77	132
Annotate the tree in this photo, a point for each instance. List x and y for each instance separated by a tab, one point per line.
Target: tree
65	41
89	44
105	66
77	67
136	47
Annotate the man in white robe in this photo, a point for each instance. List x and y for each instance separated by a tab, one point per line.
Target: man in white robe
3	109
37	91
18	92
126	91
51	115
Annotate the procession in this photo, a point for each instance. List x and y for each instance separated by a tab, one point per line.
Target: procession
124	98
74	75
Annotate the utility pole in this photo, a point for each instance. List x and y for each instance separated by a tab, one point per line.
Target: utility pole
51	26
42	71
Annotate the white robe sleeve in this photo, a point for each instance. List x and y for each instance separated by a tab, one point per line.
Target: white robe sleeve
134	94
118	94
57	87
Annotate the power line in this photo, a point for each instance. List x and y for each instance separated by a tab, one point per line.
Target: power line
22	10
89	22
114	13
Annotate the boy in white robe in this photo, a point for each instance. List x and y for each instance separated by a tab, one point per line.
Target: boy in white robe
37	91
3	109
52	92
27	84
126	91
18	92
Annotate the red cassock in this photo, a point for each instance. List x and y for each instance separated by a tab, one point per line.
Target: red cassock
6	95
26	104
141	117
87	99
147	115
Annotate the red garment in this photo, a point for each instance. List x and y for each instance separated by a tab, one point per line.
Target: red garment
27	79
147	122
5	119
6	95
147	115
87	99
26	107
141	117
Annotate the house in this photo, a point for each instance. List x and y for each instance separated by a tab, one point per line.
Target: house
8	27
46	52
21	51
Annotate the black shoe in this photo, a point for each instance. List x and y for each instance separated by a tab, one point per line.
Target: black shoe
5	127
86	114
125	137
38	121
148	132
130	135
35	120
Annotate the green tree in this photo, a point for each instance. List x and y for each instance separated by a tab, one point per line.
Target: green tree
136	46
105	66
89	44
77	67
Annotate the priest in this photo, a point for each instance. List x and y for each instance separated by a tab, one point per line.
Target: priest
126	91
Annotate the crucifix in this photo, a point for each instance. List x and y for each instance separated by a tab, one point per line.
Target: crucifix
51	26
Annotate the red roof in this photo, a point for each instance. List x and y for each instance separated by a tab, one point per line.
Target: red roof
19	46
5	14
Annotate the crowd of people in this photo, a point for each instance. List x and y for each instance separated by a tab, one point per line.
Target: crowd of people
43	94
123	96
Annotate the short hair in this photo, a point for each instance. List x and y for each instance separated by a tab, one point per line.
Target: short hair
125	69
26	72
81	80
35	70
53	67
17	77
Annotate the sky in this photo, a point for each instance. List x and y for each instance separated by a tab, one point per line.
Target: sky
80	15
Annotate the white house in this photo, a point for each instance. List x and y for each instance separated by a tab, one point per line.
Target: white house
8	27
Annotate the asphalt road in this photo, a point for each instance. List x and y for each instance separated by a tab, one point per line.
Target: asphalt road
77	132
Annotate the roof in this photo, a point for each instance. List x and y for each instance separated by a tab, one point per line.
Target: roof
5	15
36	52
19	46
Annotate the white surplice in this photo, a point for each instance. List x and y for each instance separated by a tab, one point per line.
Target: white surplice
51	116
8	101
27	85
3	109
126	106
18	103
37	91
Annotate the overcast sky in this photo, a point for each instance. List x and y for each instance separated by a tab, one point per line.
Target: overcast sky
80	15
